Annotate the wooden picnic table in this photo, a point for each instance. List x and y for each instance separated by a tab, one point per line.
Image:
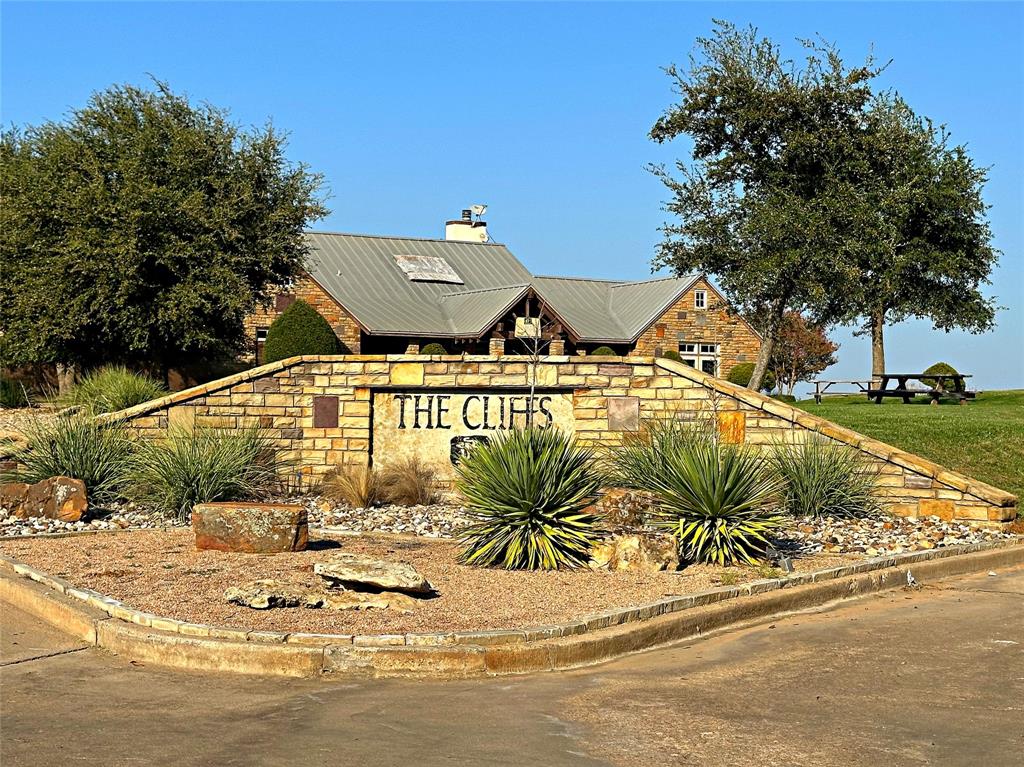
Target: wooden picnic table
945	384
821	388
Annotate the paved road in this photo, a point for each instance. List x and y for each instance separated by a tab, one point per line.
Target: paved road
932	677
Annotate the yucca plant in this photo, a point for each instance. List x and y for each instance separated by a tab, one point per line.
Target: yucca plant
528	493
825	478
77	447
202	465
110	389
645	453
719	501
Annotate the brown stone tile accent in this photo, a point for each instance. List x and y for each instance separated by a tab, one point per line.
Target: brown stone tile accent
732	427
623	413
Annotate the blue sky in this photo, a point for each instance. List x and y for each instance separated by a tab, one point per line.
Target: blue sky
539	110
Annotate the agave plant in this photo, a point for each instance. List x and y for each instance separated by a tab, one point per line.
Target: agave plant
718	500
77	447
528	492
201	465
822	478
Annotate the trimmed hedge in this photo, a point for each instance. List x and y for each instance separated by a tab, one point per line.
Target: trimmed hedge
672	354
941	368
603	351
299	329
741	373
433	348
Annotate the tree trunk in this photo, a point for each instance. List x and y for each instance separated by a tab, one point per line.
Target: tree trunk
877	347
66	375
765	354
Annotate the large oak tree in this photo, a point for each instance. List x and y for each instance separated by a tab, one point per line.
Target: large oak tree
770	199
142	229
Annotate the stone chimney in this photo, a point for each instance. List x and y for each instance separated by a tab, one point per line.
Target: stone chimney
467	229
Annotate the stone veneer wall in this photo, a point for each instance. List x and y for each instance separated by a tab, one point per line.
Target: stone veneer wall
293	399
304	287
714	325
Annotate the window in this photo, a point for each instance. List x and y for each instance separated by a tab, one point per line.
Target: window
700	299
261	338
703	357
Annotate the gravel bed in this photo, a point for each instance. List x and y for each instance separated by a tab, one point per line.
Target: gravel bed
875	536
436	521
161	572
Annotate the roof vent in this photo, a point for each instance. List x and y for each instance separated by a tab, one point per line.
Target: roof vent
427	269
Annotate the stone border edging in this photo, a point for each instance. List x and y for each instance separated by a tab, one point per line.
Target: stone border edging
105	622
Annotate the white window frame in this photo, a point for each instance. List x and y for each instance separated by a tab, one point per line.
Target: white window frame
696	353
700	299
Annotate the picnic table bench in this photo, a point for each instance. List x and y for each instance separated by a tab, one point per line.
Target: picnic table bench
945	385
821	388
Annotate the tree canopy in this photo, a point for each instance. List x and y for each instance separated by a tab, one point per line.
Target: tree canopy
767	203
927	244
142	229
802	351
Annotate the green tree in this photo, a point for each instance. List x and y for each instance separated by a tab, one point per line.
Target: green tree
769	202
927	244
299	329
143	229
801	351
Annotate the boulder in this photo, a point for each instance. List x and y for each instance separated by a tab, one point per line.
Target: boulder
645	553
60	498
12	497
374	574
270	594
253	528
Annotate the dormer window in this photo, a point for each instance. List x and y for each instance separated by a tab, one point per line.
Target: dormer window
700	299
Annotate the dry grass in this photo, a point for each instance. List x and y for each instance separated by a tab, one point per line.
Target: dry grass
404	483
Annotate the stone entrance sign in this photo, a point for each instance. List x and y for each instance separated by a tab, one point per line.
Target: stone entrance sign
438	426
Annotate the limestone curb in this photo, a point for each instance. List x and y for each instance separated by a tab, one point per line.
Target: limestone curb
106	622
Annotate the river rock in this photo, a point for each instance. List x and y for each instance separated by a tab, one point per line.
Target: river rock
645	553
375	574
253	528
60	498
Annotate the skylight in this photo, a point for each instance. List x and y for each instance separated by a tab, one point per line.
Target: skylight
428	269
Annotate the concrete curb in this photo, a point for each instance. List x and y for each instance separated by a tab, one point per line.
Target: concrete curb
105	622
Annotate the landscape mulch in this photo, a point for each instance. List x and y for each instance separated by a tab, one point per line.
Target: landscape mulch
161	572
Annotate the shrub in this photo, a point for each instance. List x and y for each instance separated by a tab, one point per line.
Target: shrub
741	374
112	388
941	368
433	348
202	465
77	447
299	329
787	398
358	487
409	483
826	478
645	453
603	351
12	393
718	501
672	354
528	493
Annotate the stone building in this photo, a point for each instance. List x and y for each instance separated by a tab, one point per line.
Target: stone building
395	295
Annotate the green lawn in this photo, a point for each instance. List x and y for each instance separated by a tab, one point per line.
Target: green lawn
984	439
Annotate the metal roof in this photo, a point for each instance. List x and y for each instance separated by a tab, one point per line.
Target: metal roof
361	273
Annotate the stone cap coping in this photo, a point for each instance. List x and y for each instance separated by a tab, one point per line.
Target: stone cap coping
874	447
490	637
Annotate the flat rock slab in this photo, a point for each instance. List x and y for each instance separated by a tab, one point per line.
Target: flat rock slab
367	572
270	594
254	528
60	498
